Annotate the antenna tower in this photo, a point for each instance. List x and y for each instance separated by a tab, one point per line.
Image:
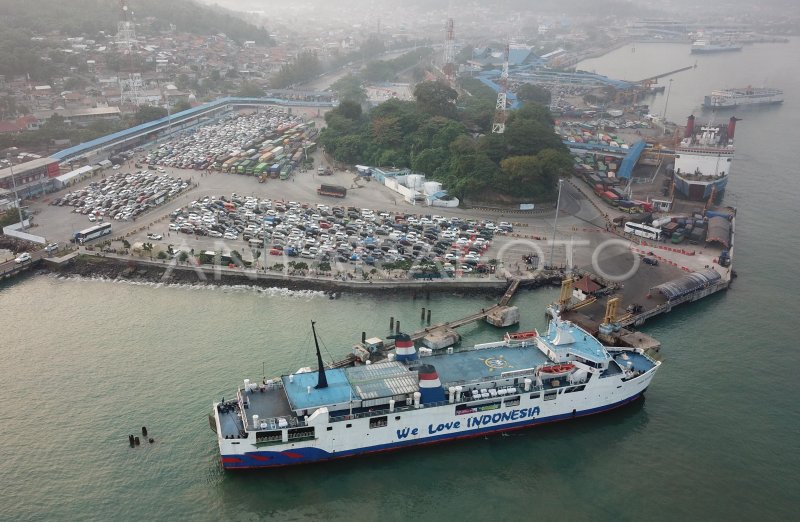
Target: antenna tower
129	89
499	123
449	68
126	29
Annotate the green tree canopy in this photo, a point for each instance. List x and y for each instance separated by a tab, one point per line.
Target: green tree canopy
348	88
436	98
149	113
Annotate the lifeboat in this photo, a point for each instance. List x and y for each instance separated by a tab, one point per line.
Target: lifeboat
555	371
521	336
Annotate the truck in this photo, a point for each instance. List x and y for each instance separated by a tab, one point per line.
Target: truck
275	170
336	191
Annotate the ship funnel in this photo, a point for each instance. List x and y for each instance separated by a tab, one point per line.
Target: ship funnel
404	347
732	127
689	127
429	385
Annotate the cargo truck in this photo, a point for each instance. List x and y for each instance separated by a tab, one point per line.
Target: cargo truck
336	191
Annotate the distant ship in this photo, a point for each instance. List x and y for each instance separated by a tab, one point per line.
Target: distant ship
703	160
705	46
729	98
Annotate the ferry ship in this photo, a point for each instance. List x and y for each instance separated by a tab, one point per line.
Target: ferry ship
703	160
705	46
402	398
729	98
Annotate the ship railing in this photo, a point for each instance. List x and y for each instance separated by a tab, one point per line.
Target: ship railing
386	411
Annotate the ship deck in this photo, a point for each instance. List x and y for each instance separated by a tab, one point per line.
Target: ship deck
476	365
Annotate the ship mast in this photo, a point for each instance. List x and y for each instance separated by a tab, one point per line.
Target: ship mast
323	380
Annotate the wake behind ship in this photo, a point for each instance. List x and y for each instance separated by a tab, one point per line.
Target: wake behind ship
403	399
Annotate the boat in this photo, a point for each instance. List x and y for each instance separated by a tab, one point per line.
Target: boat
706	46
403	398
556	371
730	98
703	160
521	336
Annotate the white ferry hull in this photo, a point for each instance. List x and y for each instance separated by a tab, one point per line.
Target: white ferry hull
432	424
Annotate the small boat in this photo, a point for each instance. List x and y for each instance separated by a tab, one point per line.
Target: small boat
521	336
555	371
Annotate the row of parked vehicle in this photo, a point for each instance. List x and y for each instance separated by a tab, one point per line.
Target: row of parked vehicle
122	196
344	234
201	147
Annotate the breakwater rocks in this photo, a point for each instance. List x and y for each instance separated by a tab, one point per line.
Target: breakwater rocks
123	269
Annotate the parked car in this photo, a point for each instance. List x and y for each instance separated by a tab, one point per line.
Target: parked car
22	258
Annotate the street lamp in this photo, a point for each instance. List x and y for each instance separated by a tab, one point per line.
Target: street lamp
555	221
666	104
14	185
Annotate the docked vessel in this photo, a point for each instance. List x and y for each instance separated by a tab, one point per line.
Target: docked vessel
703	160
394	400
729	98
706	46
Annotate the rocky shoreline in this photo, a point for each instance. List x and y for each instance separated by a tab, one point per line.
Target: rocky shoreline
153	272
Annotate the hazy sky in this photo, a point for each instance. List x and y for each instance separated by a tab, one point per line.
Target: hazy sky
791	7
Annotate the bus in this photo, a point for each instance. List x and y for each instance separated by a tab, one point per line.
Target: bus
637	229
92	233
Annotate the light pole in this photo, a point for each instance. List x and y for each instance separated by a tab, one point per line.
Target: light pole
666	104
14	185
555	221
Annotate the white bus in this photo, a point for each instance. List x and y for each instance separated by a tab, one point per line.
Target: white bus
92	233
637	229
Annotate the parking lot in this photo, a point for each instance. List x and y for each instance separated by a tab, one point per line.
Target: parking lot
121	196
266	232
236	134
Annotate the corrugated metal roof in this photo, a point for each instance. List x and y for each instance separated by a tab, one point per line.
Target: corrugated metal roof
719	231
688	284
384	379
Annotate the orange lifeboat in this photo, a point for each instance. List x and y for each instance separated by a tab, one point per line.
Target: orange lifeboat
520	336
556	370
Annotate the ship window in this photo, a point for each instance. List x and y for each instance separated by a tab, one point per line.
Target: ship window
550	395
535	395
512	401
575	388
330	428
397	417
378	422
301	433
349	426
268	436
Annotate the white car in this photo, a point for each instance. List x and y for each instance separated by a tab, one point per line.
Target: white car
155	237
116	167
23	258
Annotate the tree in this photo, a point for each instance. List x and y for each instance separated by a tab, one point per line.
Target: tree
183	257
149	113
250	89
529	92
348	88
181	106
350	109
436	98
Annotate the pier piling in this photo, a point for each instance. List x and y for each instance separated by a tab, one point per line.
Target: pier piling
391	324
423	314
397	327
429	316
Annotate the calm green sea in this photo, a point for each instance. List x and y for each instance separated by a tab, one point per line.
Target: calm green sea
84	363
